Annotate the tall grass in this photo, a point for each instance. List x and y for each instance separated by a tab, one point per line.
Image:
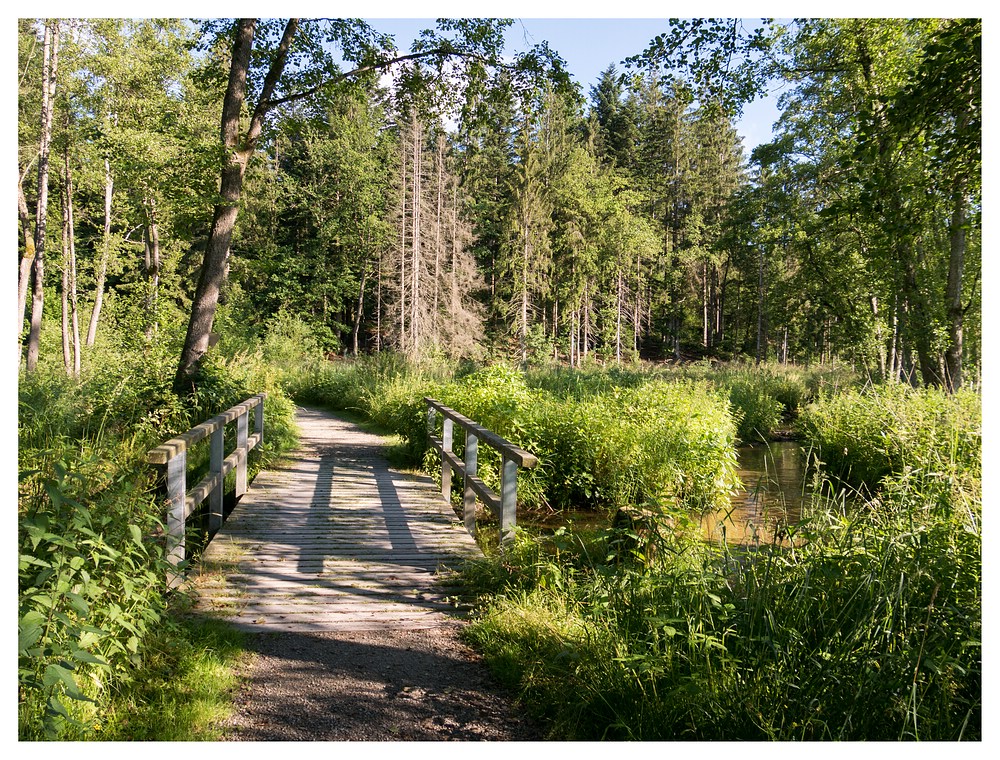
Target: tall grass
869	629
91	571
865	625
658	441
862	436
763	399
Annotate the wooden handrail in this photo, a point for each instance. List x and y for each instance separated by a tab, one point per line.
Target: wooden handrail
504	505
170	459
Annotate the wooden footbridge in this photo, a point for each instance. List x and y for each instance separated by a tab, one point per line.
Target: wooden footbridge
333	538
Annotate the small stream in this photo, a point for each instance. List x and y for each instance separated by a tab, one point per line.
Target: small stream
775	485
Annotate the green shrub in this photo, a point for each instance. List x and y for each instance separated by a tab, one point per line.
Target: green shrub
656	442
868	629
91	575
90	582
864	436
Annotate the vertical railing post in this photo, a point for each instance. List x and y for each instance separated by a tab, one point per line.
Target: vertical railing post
241	453
176	506
258	422
431	420
447	433
216	456
471	470
508	499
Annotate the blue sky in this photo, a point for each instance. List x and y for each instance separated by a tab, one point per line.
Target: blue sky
589	46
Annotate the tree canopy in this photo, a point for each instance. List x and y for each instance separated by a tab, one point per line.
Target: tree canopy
449	199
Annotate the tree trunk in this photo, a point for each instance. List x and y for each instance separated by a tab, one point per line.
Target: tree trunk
439	159
525	251
760	309
360	312
69	273
402	252
151	244
27	259
417	236
238	153
619	307
50	57
917	324
378	306
102	267
953	295
67	357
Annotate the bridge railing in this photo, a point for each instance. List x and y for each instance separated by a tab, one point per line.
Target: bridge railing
504	505
170	459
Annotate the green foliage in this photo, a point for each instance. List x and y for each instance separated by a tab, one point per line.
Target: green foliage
864	625
923	434
661	442
183	691
867	627
91	574
90	582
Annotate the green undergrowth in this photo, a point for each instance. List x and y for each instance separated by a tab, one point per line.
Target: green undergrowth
868	629
666	440
764	399
93	611
864	623
862	436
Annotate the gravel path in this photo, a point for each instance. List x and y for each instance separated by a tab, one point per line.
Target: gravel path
420	685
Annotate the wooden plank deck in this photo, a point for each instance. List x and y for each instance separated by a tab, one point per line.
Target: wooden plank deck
334	540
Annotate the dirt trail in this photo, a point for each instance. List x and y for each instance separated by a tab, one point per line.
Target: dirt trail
420	685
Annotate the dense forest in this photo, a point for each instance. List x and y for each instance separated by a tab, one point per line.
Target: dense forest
214	210
450	203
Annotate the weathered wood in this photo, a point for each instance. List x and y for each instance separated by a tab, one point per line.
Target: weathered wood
503	506
508	499
168	450
470	470
170	459
523	458
176	477
334	539
216	459
241	453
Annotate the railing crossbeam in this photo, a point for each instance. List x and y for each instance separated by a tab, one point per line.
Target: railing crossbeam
170	459
504	505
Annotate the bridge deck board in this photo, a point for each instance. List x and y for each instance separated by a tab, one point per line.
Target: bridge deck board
334	540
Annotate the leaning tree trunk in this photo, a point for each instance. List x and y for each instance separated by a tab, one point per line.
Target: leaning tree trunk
50	56
238	153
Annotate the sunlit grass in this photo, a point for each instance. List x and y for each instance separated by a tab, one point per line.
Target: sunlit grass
182	692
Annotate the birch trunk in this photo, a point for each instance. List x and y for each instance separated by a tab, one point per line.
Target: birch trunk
102	267
50	57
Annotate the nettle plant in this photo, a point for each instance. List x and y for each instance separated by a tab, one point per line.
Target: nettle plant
91	589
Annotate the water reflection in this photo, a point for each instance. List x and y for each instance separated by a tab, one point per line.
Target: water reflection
774	489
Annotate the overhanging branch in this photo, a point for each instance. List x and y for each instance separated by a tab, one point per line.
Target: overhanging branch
438	52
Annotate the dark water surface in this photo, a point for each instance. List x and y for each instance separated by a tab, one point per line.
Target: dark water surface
774	488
